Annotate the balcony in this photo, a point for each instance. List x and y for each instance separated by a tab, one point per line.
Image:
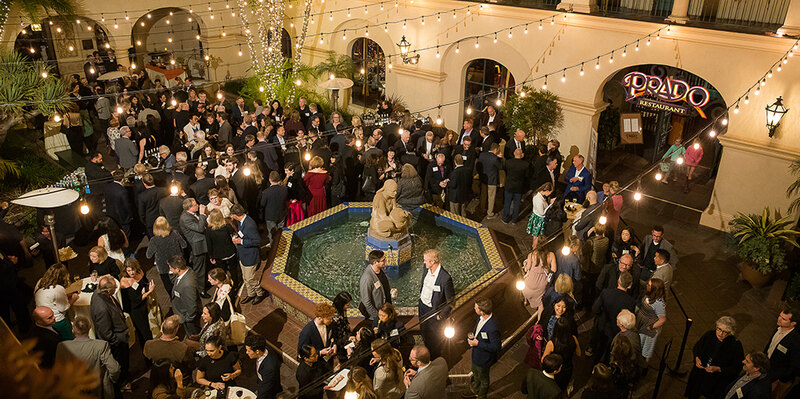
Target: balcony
747	16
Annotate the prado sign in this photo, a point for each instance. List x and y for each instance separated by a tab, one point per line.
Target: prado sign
667	90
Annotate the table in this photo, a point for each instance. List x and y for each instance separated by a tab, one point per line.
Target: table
167	76
82	307
233	393
573	211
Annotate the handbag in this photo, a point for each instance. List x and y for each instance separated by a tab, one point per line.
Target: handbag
368	186
238	328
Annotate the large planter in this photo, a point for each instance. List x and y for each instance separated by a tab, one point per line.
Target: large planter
753	276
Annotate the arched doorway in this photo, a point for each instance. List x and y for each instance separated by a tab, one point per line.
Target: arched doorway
485	81
64	44
666	104
286	43
169	34
370	80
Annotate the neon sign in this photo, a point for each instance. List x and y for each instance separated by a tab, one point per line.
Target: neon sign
667	89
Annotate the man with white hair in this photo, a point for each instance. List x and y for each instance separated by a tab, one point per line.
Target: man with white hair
125	148
626	322
110	326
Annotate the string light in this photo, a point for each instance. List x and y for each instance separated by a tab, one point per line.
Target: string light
736	109
637	46
540	25
581	72
679	161
611	59
84	207
458	47
469	110
769	74
637	196
44	74
564	75
746	99
520	284
659	176
758	90
648	40
603	219
597	65
526	30
404	24
565	250
57	118
510	33
499	102
712	133
724	121
495	38
449	332
763	82
625	51
522	93
477	44
544	85
437	52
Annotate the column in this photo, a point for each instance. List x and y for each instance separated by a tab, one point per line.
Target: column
680	10
791	25
581	6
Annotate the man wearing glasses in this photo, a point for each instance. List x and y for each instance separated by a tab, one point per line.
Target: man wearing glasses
610	273
652	243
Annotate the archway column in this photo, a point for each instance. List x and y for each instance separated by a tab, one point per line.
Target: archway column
580	120
581	6
680	12
791	26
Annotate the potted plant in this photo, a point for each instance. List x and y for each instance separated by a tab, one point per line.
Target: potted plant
761	243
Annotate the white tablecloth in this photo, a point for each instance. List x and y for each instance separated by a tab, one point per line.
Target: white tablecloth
82	307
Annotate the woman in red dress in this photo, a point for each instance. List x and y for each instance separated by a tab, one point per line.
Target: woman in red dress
316	180
613	207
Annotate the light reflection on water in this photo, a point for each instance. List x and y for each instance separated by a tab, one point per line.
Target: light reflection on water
332	258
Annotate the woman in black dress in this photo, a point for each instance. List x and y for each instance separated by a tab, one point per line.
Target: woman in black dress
718	359
135	290
626	244
340	326
100	262
388	325
310	373
221	251
564	343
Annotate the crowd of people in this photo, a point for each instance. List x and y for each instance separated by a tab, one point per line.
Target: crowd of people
201	177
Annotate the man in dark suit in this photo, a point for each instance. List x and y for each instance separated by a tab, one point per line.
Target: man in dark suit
318	333
491	118
274	200
589	216
485	343
434	301
201	186
248	246
425	150
171	206
110	326
47	338
578	179
391	132
517	175
652	243
238	112
468	131
783	351
518	142
179	175
147	203
268	366
95	353
467	153
486	139
429	379
459	187
540	383
193	227
267	151
118	204
98	176
606	308
381	142
754	384
238	181
489	165
185	295
435	176
404	150
547	173
610	273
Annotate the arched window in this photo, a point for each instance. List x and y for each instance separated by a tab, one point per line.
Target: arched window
484	82
370	77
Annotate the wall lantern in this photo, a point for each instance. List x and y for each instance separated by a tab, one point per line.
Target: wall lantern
775	113
405	46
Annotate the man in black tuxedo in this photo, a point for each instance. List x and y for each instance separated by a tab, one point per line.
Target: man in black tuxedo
47	338
268	366
273	203
201	186
517	177
459	187
434	301
517	142
147	203
493	118
435	177
98	177
118	205
489	165
783	351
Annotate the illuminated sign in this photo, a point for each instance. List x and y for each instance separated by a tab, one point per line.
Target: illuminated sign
668	90
662	106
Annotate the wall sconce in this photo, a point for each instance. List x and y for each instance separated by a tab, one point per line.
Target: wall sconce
775	113
405	46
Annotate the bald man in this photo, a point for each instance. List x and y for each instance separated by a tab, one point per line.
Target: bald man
47	338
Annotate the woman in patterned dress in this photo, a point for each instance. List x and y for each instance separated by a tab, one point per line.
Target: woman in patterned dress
540	205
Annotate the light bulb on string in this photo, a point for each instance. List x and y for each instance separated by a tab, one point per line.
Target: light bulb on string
458	49
552	21
58	29
565	16
102	17
648	40
307	156
321	39
724	122
499	102
331	17
658	176
71	48
469	110
495	38
469	12
510	33
348	13
44	75
658	36
736	109
696	146
437	52
78	21
769	74
449	332
779	68
597	64
344	35
438	18
603	219
197	37
746	99
57	118
544	85
174	102
404	24
637	196
422	21
477	43
126	16
365	9
439	120
581	72
565	250
564	75
169	39
637	46
786	59
240	52
679	161
84	207
366	32
133	65
520	284
611	59
141	23
522	93
758	90
454	15
625	51
763	82
247	171
526	30
386	28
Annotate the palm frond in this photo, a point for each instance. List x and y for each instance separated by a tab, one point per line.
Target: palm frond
8	167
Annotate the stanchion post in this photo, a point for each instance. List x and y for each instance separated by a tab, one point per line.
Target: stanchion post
661	366
676	369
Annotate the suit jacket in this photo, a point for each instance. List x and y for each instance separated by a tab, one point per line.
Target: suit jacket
268	375
46	342
517	175
785	365
126	151
99	175
97	356
468	156
239	183
441	298
430	383
225	134
583	185
273	201
487	351
587	220
108	319
460	186
182	178
200	189
185	297
250	249
541	175
372	293
608	305
310	335
665	245
118	205
147	205
541	386
383	144
610	274
511	146
759	388
171	207
194	229
489	166
474	134
434	177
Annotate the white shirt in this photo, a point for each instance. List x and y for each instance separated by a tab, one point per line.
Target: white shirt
428	147
323	332
552	176
517	144
282	141
54	298
481	323
178	279
540	204
578	172
776	339
190	131
258	364
466	134
427	286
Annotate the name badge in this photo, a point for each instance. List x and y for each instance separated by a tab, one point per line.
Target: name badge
464	157
241	235
177	294
435	168
289	185
394	333
781	348
625	252
484	336
739	393
377	284
436	288
135	285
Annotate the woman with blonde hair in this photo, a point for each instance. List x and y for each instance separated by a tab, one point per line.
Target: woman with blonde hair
359	382
165	243
389	374
51	292
538	267
221	251
101	262
317	180
135	289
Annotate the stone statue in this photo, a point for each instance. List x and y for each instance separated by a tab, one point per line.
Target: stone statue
388	222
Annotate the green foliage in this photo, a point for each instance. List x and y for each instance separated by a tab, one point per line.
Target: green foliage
763	240
34	171
794	188
32	8
21	83
341	66
608	128
538	114
793	289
